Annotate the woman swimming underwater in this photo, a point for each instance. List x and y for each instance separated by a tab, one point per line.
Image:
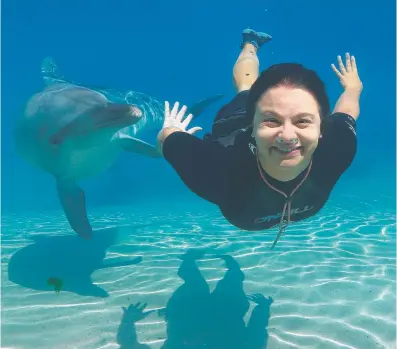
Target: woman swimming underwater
285	154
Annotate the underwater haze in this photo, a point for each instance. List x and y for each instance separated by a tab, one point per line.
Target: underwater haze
330	282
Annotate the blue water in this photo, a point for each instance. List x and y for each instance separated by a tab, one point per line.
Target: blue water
332	279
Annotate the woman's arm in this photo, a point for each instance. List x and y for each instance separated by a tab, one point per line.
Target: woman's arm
349	101
173	122
204	167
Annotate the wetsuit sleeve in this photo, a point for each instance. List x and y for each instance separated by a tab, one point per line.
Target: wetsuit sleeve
338	145
204	167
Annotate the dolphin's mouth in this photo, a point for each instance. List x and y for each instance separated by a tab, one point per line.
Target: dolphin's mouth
114	116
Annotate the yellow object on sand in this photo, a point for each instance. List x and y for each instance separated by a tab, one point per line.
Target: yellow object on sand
57	283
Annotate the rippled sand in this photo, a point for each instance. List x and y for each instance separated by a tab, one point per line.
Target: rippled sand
332	278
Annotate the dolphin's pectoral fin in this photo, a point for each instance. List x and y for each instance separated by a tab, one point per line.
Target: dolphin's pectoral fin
199	107
72	199
135	145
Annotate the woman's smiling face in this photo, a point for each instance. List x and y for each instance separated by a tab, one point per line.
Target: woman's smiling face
286	128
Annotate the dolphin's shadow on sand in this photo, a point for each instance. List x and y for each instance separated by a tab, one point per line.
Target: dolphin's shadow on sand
68	258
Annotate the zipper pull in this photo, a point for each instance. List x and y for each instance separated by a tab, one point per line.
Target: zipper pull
283	225
281	231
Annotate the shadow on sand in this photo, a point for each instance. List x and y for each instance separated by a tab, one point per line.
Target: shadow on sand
68	258
199	319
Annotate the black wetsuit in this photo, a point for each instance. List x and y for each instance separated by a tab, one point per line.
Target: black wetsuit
231	178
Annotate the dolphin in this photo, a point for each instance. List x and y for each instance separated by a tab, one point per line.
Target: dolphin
68	258
75	132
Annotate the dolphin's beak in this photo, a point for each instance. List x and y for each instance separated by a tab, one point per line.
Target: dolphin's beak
113	116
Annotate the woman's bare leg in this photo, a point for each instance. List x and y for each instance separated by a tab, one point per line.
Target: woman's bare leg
246	68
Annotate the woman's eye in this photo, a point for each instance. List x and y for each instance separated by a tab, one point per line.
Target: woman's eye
303	122
271	122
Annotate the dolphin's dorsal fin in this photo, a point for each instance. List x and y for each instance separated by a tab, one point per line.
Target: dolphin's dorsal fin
50	71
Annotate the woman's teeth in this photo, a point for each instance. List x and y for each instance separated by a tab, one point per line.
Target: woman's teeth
289	150
284	150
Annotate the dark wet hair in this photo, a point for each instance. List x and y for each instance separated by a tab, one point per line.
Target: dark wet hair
288	74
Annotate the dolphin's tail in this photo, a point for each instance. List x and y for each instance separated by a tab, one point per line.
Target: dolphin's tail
199	107
153	111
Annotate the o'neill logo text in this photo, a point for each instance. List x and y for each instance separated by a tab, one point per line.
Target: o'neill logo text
278	215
